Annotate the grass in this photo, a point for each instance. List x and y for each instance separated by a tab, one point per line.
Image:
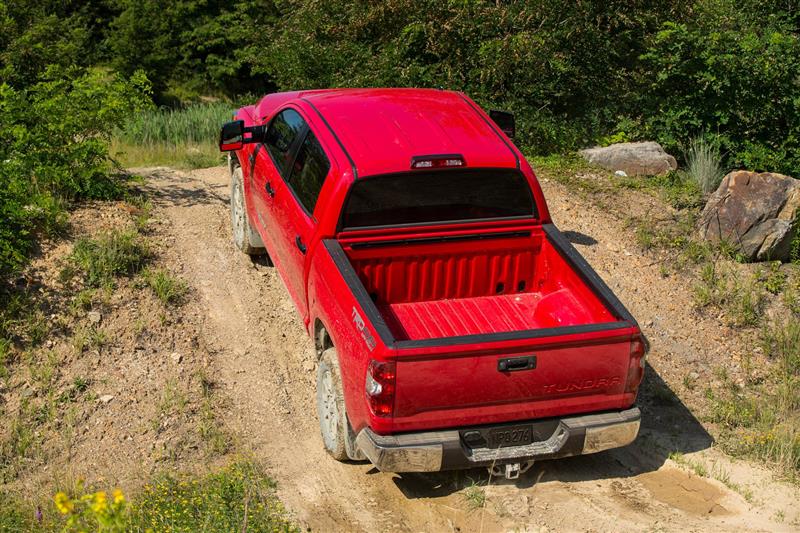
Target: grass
168	288
475	496
238	497
762	418
715	472
704	165
108	255
184	138
184	156
216	440
719	287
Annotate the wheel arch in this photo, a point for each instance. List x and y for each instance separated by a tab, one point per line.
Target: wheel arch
322	339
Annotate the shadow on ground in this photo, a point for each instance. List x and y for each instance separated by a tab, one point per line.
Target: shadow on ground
667	426
183	191
576	237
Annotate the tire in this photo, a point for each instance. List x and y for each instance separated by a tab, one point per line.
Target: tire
244	236
337	436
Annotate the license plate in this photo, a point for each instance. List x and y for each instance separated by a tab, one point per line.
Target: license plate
510	436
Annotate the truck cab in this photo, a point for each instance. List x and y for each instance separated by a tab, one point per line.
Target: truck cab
456	326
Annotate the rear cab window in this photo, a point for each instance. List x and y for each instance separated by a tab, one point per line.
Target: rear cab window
440	196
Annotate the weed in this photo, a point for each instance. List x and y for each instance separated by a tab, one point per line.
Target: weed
689	381
170	289
704	164
87	337
109	255
761	420
773	278
475	496
213	435
19	443
82	301
78	387
710	290
791	298
144	209
43	372
746	304
5	357
36	327
173	401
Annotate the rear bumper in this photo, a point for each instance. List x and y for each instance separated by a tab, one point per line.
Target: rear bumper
432	451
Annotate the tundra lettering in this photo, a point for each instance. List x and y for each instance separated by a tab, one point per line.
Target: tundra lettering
587	384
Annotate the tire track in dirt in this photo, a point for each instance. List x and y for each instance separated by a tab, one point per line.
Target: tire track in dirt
265	365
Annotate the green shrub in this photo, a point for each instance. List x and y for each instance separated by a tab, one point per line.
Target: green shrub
109	255
54	138
731	70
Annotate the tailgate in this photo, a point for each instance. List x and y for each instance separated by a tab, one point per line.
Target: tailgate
449	390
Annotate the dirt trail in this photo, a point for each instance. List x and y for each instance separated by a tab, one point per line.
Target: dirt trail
265	365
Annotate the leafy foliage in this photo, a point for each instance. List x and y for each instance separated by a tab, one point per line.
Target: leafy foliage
731	71
54	139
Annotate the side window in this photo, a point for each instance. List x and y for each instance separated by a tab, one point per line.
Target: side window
282	132
309	171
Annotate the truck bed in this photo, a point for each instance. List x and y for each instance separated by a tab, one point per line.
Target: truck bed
450	288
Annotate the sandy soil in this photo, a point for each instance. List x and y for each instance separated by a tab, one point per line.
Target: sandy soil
264	364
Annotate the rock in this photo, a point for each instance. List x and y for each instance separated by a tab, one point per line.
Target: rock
620	173
94	317
634	159
753	212
177	357
105	398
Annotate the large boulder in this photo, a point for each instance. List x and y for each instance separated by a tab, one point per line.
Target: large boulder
754	212
642	159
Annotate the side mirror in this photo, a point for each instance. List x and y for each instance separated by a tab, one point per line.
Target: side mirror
232	136
505	121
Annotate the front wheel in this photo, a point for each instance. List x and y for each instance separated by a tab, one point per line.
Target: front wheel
244	236
337	437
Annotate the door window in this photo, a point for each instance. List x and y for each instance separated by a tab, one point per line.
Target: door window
308	172
281	136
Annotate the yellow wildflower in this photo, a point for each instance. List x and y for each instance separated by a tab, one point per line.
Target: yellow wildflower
100	504
63	503
118	497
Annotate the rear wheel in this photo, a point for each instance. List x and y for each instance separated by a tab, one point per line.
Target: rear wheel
337	436
244	236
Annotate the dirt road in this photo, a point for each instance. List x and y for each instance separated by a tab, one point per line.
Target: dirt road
265	365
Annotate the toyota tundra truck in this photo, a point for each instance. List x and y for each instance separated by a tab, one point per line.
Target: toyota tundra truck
455	326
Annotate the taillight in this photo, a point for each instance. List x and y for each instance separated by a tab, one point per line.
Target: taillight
438	161
380	387
636	366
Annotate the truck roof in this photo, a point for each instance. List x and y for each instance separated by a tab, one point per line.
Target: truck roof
382	129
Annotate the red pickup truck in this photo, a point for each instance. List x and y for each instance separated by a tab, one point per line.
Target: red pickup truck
456	327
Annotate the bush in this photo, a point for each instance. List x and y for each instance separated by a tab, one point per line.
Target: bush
54	139
731	70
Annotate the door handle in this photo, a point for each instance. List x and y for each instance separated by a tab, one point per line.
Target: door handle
269	189
300	246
